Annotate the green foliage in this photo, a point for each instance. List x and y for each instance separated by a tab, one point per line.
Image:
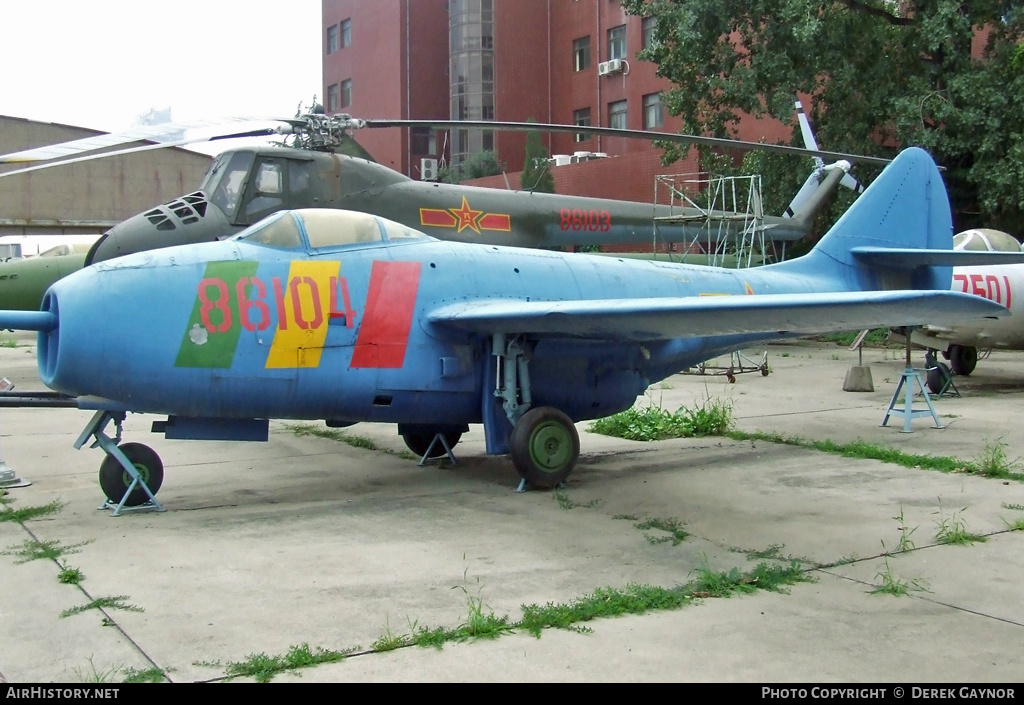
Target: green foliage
879	80
877	338
712	417
263	668
34	550
103	603
27	513
562	497
70	576
953	530
475	166
148	675
892	585
672	530
993	461
872	451
536	175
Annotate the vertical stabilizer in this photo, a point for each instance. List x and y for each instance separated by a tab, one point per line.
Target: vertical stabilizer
906	207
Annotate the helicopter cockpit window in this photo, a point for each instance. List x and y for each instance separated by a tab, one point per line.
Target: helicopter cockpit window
334	228
223	183
267	192
281	233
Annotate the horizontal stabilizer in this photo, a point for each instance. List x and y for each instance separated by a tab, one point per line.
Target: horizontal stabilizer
693	316
28	320
899	258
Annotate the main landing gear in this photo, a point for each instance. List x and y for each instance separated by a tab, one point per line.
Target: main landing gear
544	443
131	474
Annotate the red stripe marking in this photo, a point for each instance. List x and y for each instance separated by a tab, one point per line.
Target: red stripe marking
387	318
496	221
437	218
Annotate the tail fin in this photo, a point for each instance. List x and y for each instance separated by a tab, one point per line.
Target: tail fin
905	208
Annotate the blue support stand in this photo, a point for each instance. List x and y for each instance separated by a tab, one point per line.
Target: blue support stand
908	412
438	438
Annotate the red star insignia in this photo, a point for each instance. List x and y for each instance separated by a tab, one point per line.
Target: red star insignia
468	218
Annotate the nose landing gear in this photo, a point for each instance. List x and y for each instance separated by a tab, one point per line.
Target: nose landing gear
131	473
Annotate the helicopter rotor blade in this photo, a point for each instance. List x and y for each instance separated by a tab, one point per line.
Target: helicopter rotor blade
648	135
165	133
268	131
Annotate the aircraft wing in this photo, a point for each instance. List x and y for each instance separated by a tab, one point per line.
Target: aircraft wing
692	316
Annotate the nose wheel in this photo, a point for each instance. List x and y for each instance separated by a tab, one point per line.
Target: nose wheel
131	473
129	490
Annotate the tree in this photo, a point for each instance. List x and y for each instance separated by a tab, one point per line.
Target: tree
947	75
536	175
474	166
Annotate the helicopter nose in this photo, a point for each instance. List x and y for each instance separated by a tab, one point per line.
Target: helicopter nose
184	221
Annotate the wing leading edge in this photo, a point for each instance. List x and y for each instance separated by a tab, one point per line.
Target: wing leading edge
694	316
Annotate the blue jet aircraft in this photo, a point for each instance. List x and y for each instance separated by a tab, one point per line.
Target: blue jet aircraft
347	317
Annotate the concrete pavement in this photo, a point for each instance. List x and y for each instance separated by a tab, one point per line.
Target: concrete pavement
307	540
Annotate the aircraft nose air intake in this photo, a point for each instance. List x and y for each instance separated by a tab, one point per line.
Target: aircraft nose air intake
49	341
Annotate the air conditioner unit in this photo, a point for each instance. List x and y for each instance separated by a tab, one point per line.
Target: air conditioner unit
609	67
428	169
561	159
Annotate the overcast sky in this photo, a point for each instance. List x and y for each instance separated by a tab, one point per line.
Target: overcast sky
101	64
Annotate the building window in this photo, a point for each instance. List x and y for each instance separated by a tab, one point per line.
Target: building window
649	25
617	115
424	141
582	119
346	33
653	113
617	42
332	98
332	39
581	53
346	93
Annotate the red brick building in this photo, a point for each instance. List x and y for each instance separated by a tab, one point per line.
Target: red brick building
558	61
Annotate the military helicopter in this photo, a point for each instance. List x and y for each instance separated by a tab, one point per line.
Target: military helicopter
328	169
349	317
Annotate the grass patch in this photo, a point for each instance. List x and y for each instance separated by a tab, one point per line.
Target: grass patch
953	531
70	576
565	503
103	603
33	550
333	434
263	668
873	451
1015	525
712	417
877	338
28	513
9	344
891	585
671	526
481	623
147	675
993	461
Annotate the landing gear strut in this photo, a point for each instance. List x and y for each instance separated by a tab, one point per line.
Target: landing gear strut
131	473
544	443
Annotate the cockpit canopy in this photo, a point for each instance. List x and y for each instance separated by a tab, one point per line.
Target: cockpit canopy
325	229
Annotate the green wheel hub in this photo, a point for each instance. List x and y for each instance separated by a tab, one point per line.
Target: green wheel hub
550	447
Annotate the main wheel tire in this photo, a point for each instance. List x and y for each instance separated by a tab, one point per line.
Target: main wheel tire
963	359
115	480
418	443
937	378
545	446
